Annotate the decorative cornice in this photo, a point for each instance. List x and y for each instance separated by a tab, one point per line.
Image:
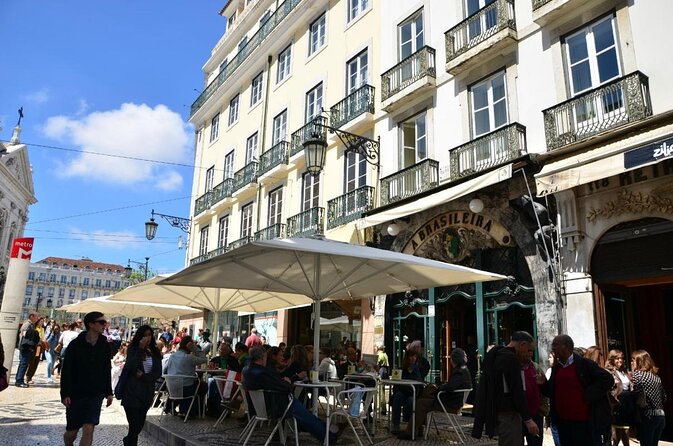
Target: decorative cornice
629	202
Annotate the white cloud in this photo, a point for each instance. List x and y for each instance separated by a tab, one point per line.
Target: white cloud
38	96
82	107
117	240
133	130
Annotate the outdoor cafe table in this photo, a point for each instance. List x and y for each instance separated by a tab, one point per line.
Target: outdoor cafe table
204	374
330	387
411	383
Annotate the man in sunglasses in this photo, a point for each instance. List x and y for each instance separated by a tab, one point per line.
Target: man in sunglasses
85	380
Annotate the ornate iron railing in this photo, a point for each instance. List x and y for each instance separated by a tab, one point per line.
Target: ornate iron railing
478	27
238	243
539	3
409	70
243	53
209	255
222	190
305	133
245	176
349	206
486	151
275	156
203	202
617	103
359	102
410	181
306	223
271	232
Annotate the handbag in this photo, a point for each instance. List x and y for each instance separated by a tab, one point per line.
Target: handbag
58	348
3	378
641	398
121	384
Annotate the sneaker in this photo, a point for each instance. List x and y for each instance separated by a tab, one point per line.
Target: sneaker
50	381
24	385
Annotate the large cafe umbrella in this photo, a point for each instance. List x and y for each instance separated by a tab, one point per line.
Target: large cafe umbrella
323	270
130	310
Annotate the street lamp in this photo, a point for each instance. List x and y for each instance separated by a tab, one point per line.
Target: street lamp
315	147
143	267
39	299
176	222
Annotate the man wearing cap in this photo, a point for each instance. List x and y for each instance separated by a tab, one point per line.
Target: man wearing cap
453	402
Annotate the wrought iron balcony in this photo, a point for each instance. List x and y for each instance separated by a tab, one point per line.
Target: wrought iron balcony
203	202
539	3
222	190
255	41
245	176
271	232
478	27
275	156
489	150
411	181
355	104
349	206
238	243
307	223
409	70
304	134
609	106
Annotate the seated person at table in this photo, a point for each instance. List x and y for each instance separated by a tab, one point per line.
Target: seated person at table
351	360
257	376
299	364
226	361
403	395
327	368
453	402
274	359
241	353
184	362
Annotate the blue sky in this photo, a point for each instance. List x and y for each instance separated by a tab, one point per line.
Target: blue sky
110	77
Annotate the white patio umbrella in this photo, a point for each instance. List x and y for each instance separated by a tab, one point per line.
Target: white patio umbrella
323	270
337	324
128	309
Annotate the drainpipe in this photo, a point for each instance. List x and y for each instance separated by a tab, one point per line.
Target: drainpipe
262	139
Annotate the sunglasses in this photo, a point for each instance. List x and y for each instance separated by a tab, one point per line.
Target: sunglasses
101	321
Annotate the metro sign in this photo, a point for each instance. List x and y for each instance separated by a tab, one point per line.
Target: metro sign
22	248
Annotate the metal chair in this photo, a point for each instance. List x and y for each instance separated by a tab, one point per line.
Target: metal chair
257	398
228	395
175	385
159	393
451	416
353	404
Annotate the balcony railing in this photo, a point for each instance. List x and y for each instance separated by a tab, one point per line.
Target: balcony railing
305	133
238	243
355	104
245	176
410	181
275	156
349	206
408	71
209	255
539	3
243	53
271	232
486	151
222	190
203	202
478	27
307	223
612	105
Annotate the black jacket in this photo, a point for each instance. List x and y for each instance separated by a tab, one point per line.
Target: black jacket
139	392
86	369
460	379
597	383
500	365
258	377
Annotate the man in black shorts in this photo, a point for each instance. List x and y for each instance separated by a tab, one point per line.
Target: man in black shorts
85	380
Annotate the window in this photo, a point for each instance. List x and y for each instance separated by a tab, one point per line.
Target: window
99	283
242	43
85	294
356	7
413	141
317	35
411	35
485	22
116	284
29	290
231	21
229	165
314	102
203	242
489	105
209	179
279	128
73	280
223	232
42	277
52	277
264	18
64	279
40	290
223	65
96	294
275	206
50	291
246	221
71	293
310	192
31	275
358	72
251	148
26	302
284	64
61	293
108	283
214	127
60	302
256	89
85	281
233	110
356	171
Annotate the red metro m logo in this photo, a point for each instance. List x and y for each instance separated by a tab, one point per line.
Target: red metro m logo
22	248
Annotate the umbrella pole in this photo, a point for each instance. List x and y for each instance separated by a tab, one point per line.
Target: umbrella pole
216	323
316	313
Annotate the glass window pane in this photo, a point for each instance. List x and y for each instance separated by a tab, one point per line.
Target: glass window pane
581	77
607	65
480	96
481	122
500	113
498	84
577	48
603	36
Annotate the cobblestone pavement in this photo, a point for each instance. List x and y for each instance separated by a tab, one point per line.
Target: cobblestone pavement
35	416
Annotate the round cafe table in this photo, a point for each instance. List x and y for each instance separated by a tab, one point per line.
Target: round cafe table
204	374
330	388
411	383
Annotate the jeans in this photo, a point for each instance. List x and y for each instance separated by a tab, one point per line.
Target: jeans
554	433
401	402
51	358
575	433
306	421
136	418
650	429
25	355
532	440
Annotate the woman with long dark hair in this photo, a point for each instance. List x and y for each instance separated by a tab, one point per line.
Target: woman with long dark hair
142	368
